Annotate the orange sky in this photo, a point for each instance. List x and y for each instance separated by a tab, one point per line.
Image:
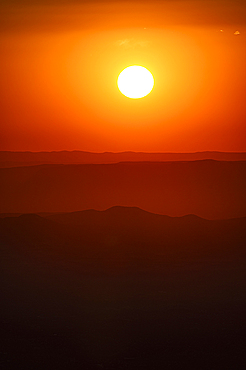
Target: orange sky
59	66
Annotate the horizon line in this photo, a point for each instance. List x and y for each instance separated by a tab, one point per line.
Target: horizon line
120	152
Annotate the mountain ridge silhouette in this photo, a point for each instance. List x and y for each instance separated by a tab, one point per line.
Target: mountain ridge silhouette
27	158
133	284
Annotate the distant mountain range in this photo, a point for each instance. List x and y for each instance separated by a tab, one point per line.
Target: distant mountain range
207	188
12	159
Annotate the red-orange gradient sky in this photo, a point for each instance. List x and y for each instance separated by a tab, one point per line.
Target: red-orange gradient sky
59	66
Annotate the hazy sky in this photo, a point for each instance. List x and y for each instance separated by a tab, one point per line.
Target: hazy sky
42	14
60	61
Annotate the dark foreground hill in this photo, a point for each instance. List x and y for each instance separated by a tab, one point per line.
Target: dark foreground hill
16	159
122	289
209	189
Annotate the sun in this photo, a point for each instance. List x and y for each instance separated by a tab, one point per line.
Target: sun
135	82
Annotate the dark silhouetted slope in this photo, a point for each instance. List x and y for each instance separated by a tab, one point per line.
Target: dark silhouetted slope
128	238
122	289
209	189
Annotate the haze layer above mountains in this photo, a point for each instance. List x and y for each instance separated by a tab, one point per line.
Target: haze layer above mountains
207	188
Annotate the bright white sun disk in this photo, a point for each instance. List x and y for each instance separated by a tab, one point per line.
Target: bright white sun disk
135	82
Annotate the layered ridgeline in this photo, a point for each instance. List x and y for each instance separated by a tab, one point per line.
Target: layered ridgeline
15	159
122	289
207	188
125	234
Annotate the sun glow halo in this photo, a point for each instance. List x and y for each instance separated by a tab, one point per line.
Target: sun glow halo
135	82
